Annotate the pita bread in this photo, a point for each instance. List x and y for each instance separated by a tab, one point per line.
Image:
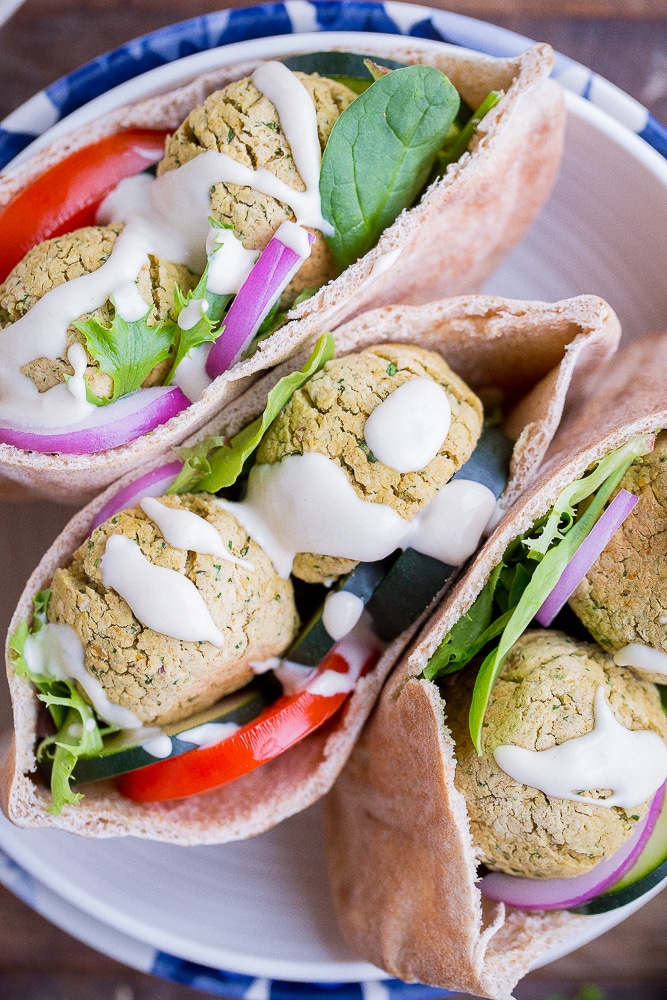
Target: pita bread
402	860
535	354
473	216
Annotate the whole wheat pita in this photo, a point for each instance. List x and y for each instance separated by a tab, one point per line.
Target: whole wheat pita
403	865
446	245
539	358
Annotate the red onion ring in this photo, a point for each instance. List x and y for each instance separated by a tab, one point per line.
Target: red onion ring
109	426
152	484
563	893
271	273
589	550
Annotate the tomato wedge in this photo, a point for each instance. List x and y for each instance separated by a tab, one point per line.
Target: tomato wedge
67	195
286	722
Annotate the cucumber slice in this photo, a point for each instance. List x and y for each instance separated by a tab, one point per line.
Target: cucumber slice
415	580
490	461
346	67
397	590
121	753
314	642
648	871
406	591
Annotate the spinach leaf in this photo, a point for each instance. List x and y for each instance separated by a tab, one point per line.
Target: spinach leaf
380	154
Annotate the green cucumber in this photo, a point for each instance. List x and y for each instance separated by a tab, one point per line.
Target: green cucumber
649	870
411	584
415	579
119	756
313	641
398	589
345	67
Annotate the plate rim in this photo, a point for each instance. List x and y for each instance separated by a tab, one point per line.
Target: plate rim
601	94
407	18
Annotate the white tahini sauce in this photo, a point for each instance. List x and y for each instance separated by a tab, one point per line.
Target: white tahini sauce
450	527
383	263
184	529
331	682
166	216
57	651
128	302
305	503
342	611
192	312
633	764
159	746
209	733
407	429
191	375
229	263
642	657
77	357
162	599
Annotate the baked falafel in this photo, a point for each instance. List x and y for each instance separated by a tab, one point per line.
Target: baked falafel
64	258
157	677
328	415
545	696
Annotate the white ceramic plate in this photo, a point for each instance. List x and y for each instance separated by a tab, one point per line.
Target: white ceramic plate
231	917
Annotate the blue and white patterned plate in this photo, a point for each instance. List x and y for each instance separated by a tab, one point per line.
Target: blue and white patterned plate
225	27
216	982
132	899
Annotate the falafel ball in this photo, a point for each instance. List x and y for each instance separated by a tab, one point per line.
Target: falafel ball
63	258
329	413
241	122
623	597
159	678
545	696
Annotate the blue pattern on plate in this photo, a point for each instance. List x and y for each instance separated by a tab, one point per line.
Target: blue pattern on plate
655	134
234	986
19	881
223	27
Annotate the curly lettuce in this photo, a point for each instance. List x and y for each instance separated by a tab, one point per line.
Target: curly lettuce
78	732
217	462
525	576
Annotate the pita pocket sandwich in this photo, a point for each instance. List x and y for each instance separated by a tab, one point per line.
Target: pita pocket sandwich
164	626
286	201
508	789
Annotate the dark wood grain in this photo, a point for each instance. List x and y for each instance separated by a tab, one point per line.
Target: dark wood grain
47	38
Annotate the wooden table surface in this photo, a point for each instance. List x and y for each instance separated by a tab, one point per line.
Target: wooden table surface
625	41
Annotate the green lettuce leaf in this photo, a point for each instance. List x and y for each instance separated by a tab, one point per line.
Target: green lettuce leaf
126	351
78	733
206	330
458	138
380	154
530	568
217	462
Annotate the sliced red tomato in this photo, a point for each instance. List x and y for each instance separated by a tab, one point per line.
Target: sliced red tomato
67	195
279	727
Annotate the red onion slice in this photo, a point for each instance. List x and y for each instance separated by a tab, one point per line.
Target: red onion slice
562	893
274	269
108	427
153	484
589	550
